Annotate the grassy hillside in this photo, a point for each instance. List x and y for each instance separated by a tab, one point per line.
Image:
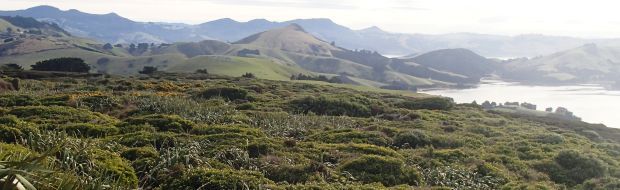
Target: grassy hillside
4	25
589	63
192	131
237	66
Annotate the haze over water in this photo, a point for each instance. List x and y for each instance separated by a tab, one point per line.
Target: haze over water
592	103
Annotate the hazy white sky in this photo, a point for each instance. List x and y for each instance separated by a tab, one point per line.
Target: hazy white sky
583	18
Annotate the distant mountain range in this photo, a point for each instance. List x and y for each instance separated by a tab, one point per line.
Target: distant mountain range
113	28
273	54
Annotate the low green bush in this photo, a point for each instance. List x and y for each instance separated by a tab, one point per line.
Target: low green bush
434	103
55	115
292	174
226	93
100	103
115	167
12	129
550	138
579	167
352	136
89	130
571	168
139	153
385	170
258	149
223	129
449	156
204	178
143	138
18	100
412	139
60	100
329	106
172	123
14	152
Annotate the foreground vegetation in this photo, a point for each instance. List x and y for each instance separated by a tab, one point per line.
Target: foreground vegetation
198	131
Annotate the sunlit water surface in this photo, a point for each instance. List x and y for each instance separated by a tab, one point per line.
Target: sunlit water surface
591	102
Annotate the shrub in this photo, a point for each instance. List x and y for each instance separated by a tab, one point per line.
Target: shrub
248	75
579	167
223	129
100	103
246	106
413	139
351	136
55	100
226	93
292	174
550	138
204	178
66	64
139	153
13	152
89	130
434	103
147	70
140	139
601	184
113	166
457	178
571	168
13	129
385	170
329	106
173	123
449	156
61	115
10	134
442	141
17	100
255	150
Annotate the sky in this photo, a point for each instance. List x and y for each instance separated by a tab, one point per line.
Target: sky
579	18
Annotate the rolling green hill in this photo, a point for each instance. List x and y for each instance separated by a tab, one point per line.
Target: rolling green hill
275	54
588	63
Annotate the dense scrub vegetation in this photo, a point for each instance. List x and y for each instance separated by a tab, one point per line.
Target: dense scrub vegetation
205	132
67	64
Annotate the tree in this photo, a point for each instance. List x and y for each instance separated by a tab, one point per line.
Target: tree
11	67
65	64
248	75
202	71
147	70
132	48
107	46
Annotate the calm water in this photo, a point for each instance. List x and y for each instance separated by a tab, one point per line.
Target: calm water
591	102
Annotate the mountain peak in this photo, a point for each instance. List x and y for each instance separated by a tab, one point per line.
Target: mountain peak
292	38
295	27
372	29
44	9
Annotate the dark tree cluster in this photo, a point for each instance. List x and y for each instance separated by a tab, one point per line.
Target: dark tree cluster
147	70
65	64
248	75
316	78
11	67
